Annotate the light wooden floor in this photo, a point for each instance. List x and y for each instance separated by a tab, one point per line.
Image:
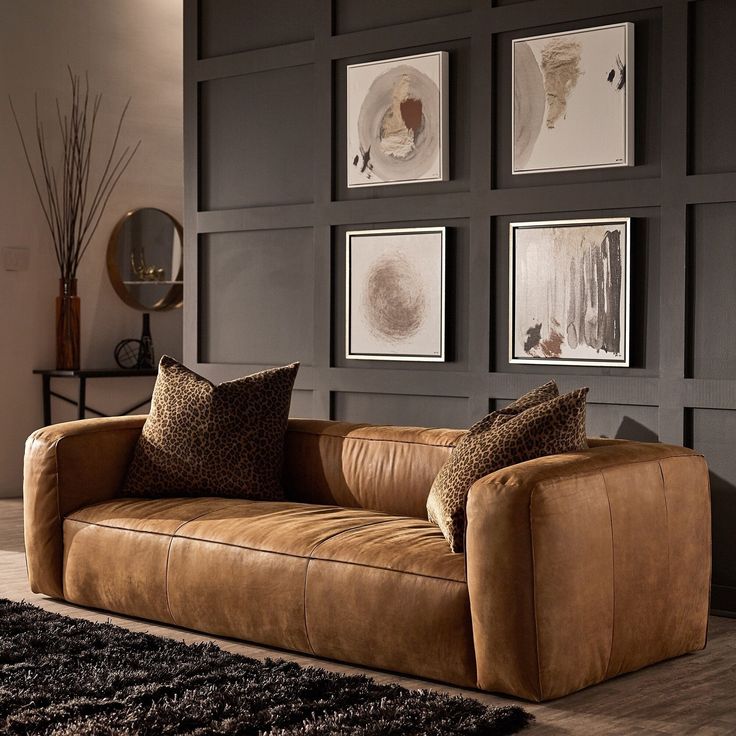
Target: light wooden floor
695	694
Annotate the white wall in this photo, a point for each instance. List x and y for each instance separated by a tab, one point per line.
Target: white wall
131	48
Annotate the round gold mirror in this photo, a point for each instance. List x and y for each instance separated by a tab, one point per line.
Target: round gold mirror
144	260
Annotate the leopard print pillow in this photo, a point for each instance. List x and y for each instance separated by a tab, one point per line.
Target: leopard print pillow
545	392
442	501
207	440
548	428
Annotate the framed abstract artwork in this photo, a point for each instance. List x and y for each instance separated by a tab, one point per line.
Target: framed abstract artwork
569	292
397	121
573	100
395	294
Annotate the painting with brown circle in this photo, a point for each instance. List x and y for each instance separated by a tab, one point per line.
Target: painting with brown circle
395	294
397	120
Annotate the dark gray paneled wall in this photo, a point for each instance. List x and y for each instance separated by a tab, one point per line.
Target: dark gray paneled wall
267	207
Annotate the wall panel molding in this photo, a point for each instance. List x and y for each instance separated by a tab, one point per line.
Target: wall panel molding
258	60
681	386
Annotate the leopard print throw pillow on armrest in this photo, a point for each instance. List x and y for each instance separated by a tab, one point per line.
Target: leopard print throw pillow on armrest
547	427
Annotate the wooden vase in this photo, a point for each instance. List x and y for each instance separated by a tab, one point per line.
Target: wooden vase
67	326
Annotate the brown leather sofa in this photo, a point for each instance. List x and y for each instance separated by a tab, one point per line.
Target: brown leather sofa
579	567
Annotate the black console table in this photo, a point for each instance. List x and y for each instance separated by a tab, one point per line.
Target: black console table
82	376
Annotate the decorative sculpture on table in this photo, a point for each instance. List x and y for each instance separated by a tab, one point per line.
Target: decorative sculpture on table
130	353
73	198
141	269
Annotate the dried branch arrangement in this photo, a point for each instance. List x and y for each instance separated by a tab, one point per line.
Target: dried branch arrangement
74	198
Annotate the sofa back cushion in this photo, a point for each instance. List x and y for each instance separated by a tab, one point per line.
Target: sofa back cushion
387	469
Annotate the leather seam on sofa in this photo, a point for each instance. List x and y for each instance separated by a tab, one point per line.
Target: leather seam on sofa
667	521
391	569
304	606
666	516
176	534
56	476
71	517
241	546
308	557
168	554
613	573
306	570
57	485
345	531
534	596
73	435
184	536
369	439
541	484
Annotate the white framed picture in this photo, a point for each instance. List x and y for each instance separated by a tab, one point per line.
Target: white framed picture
397	121
573	100
569	298
395	294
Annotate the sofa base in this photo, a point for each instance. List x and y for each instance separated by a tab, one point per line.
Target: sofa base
313	579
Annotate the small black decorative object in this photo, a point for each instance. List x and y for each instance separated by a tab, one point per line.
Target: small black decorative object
146	356
138	354
126	353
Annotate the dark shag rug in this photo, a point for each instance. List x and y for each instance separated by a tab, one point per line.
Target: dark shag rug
61	676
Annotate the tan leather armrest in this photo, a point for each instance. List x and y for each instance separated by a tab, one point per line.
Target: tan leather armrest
68	466
586	565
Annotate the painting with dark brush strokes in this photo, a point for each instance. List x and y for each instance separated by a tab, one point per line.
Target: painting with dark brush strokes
395	294
569	292
573	100
396	120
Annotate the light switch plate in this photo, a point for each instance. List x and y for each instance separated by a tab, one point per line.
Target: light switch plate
16	259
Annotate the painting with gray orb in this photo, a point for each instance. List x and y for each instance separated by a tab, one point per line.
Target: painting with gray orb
397	120
573	100
569	292
395	294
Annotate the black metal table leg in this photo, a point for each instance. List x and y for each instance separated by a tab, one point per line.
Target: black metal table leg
82	397
81	401
46	391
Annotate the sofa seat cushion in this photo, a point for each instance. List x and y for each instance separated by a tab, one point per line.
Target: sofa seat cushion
115	553
300	576
392	596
